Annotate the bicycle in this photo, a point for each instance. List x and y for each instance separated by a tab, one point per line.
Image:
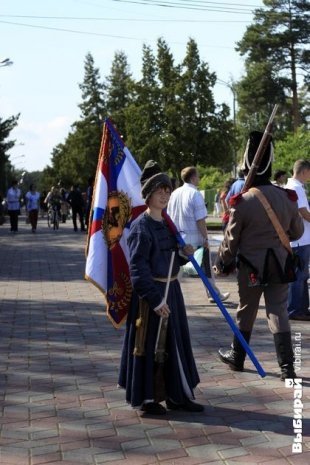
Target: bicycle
53	217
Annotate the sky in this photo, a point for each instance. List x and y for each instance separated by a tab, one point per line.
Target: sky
47	41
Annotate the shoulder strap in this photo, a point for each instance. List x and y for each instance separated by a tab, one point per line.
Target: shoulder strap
273	218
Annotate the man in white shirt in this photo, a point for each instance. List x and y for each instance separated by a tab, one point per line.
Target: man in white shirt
187	210
13	199
298	297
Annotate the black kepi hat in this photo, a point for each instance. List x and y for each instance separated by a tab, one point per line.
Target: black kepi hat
152	178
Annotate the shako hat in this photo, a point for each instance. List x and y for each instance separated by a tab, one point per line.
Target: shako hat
152	178
264	168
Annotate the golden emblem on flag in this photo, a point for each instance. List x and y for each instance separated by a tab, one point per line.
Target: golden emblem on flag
117	214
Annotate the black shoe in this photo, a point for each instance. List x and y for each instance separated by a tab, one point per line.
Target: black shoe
236	355
153	408
301	317
188	406
287	373
285	354
230	358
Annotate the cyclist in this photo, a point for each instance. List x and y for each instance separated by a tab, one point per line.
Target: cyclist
53	200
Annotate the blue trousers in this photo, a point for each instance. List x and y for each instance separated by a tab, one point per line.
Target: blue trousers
298	294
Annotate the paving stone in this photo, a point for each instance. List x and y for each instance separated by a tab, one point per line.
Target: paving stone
60	356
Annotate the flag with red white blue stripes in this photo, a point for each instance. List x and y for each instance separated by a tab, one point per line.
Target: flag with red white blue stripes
116	203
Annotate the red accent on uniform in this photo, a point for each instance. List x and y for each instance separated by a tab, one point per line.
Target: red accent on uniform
235	199
253	278
292	195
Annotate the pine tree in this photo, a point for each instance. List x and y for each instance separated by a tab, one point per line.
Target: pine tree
93	104
197	103
169	108
119	90
279	37
143	117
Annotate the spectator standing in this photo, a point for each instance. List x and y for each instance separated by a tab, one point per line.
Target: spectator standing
151	244
32	206
224	207
279	178
75	199
236	187
298	296
217	204
187	210
89	199
64	208
13	197
265	267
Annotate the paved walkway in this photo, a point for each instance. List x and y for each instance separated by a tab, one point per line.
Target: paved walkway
59	358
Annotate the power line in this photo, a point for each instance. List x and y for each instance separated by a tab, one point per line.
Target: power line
198	6
98	34
70	30
148	20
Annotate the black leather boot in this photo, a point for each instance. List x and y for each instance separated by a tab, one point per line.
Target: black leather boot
285	355
236	355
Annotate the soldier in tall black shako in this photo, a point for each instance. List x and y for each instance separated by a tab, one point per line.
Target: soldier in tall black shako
265	267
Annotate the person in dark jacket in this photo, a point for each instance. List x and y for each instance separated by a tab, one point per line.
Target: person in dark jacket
75	199
151	244
89	199
265	267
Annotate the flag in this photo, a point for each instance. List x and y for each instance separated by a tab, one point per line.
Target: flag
116	203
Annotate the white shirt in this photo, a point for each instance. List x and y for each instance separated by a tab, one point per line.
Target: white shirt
12	197
186	206
302	202
32	200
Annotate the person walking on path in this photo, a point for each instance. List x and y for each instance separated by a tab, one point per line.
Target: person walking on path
13	200
265	267
32	206
236	187
187	210
75	199
217	204
151	245
298	295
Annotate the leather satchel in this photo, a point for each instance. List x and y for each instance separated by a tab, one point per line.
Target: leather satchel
273	218
293	260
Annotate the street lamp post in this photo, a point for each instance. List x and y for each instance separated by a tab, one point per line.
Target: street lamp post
18	156
232	89
5	62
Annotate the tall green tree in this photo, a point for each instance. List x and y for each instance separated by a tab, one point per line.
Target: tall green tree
143	115
257	92
204	130
169	110
6	126
93	107
119	89
278	38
